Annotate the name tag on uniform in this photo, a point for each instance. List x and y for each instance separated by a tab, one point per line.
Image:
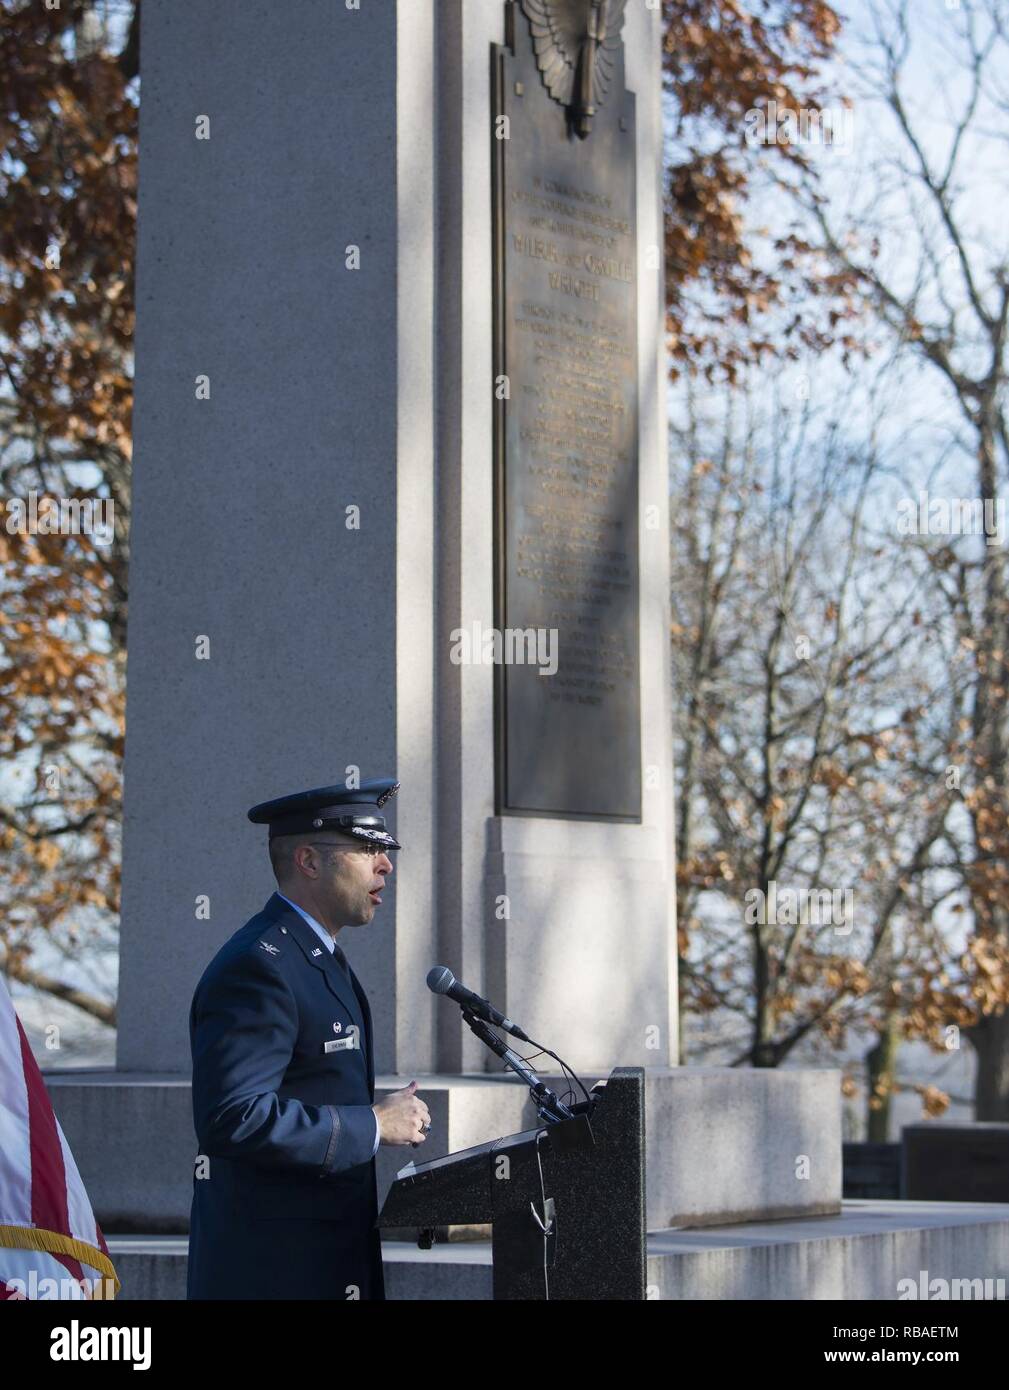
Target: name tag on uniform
339	1044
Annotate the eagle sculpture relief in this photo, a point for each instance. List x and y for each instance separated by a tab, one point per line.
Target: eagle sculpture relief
576	44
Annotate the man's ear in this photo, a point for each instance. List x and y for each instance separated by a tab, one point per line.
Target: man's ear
302	854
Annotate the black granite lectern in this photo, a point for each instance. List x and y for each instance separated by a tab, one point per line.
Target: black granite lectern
566	1201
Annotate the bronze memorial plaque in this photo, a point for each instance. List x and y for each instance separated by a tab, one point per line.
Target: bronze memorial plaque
567	699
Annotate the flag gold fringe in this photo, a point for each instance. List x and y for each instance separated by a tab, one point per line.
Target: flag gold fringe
53	1243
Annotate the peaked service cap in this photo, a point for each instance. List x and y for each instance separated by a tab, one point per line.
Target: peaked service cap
352	810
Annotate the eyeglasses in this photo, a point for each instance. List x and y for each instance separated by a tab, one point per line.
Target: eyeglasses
366	847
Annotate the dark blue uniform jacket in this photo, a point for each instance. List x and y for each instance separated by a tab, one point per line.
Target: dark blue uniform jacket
284	1196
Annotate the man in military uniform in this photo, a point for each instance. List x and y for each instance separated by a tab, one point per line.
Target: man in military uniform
284	1194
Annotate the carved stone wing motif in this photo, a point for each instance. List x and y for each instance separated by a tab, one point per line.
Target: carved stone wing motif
576	43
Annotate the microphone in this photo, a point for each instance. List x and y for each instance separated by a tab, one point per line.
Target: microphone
440	980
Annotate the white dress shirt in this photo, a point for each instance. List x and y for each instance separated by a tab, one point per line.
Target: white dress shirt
329	942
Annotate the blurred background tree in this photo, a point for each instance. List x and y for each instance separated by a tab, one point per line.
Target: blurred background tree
68	158
898	238
925	239
745	288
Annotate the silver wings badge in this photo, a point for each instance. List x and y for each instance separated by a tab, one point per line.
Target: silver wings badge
576	44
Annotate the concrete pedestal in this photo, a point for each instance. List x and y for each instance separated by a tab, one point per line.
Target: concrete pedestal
721	1145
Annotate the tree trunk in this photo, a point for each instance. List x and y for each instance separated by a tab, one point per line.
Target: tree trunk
990	1036
881	1065
990	1040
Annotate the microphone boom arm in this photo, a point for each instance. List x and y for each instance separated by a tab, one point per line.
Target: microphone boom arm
548	1107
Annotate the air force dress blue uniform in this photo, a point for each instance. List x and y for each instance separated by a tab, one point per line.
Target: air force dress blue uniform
284	1192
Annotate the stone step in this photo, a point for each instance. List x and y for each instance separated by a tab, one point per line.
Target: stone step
864	1252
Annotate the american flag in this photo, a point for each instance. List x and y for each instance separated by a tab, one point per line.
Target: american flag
51	1246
